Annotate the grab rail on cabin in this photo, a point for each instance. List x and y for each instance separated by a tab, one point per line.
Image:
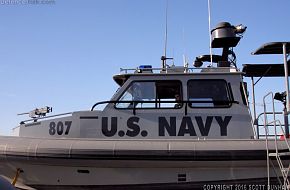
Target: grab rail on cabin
216	104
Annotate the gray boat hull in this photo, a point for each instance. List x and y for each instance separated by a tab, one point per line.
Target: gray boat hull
151	164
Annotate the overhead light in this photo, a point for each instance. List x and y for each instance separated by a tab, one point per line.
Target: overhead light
240	29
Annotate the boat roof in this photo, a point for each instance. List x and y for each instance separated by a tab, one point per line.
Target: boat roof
125	74
267	70
272	48
264	70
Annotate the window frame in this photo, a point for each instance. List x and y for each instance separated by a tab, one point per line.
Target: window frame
156	102
228	90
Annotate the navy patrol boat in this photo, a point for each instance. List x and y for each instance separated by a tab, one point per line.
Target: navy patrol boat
165	128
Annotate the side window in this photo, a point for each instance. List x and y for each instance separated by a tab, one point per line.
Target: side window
168	94
208	93
147	94
143	93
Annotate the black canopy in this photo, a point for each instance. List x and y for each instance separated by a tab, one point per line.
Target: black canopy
264	70
268	70
272	48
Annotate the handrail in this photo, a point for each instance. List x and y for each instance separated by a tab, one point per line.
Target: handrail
134	102
170	69
283	133
267	131
275	122
268	136
284	175
256	122
268	114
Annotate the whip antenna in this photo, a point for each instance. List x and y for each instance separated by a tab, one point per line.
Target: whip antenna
166	18
164	58
209	31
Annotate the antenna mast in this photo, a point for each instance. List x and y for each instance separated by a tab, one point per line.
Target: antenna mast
209	31
164	58
166	18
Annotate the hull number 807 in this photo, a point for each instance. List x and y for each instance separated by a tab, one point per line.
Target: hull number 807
59	128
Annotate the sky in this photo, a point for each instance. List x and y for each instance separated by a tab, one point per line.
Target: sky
63	53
